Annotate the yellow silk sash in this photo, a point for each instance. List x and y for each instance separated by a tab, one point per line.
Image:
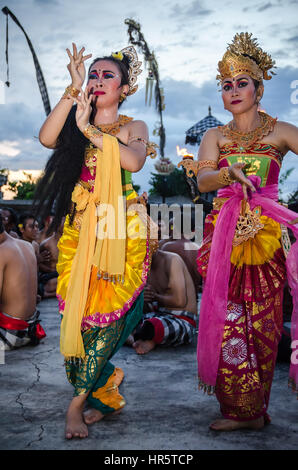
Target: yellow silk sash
106	253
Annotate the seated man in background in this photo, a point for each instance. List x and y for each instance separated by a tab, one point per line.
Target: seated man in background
170	303
187	249
19	324
47	281
28	231
164	235
10	220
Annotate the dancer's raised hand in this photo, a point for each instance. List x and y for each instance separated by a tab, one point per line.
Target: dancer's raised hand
83	109
76	66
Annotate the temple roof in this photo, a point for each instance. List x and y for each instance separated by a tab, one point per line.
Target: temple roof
195	133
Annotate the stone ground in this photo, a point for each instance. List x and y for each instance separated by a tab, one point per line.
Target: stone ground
164	410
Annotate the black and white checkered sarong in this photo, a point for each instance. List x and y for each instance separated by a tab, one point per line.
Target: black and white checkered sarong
12	339
177	331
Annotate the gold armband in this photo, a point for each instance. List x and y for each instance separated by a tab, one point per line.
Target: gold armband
150	146
224	177
92	132
207	164
70	91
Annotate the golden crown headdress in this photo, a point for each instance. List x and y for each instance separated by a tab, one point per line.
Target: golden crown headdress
244	55
134	66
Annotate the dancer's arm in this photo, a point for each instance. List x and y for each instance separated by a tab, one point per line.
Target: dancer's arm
288	135
54	123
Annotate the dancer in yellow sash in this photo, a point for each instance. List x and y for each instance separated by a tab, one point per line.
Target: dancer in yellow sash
104	252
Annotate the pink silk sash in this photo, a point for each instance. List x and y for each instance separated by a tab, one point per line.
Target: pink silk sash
214	300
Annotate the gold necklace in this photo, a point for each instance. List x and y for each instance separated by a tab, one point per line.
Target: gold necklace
246	140
114	127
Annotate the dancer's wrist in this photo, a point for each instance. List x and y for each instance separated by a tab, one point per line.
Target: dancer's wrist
71	91
90	131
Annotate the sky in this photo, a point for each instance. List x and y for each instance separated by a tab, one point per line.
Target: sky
188	37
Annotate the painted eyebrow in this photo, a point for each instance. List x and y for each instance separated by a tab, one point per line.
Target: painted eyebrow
95	71
238	80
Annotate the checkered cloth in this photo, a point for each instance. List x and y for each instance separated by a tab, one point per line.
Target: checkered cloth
12	339
177	330
195	133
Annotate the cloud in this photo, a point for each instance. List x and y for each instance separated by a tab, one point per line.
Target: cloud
46	2
266	6
8	148
196	8
293	39
278	93
18	121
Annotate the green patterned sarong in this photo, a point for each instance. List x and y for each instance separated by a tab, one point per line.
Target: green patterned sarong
96	374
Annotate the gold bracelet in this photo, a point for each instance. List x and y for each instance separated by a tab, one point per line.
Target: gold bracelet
92	132
224	176
70	91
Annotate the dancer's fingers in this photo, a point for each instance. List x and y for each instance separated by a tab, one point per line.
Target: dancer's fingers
75	51
244	187
69	54
86	57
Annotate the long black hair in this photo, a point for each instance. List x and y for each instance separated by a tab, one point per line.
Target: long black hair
1	224
64	167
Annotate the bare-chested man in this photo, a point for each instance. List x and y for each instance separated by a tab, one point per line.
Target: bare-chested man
48	274
188	251
173	321
19	323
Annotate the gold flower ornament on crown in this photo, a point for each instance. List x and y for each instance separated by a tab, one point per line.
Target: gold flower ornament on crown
134	66
244	55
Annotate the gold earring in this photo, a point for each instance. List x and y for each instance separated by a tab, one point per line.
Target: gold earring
122	97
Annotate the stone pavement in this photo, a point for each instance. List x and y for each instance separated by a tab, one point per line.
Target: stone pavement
164	408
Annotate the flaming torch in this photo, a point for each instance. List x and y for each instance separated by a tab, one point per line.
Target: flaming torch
187	162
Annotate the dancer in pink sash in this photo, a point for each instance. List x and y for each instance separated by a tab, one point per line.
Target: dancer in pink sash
246	254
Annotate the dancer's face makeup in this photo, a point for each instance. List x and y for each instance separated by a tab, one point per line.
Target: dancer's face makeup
104	81
238	93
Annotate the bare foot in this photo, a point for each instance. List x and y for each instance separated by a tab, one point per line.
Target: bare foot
143	347
231	425
75	426
92	415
